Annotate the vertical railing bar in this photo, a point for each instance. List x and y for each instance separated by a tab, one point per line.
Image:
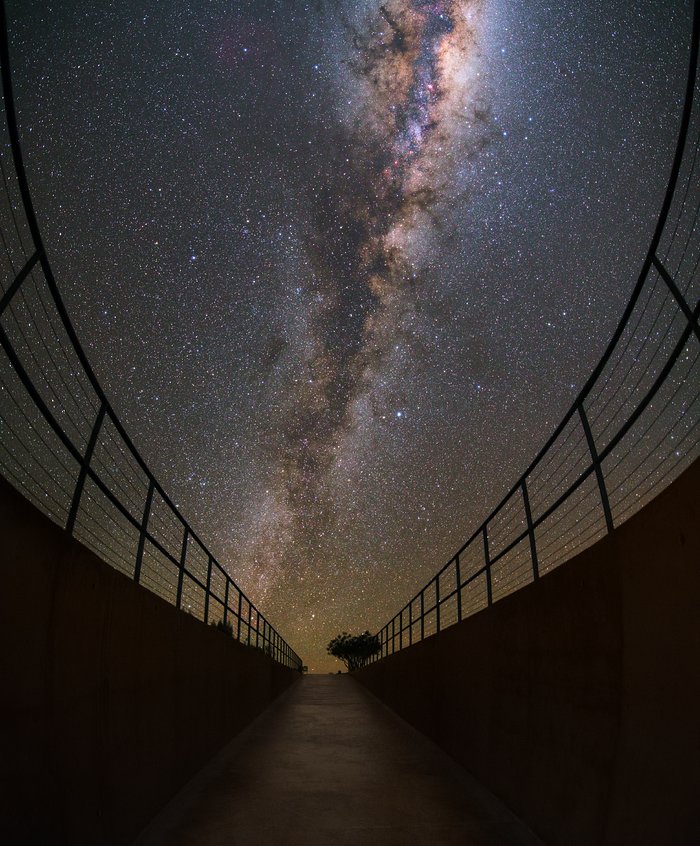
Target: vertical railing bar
487	562
401	629
19	279
240	612
84	465
422	614
437	604
458	580
410	623
144	530
208	591
597	468
678	296
181	571
530	531
226	600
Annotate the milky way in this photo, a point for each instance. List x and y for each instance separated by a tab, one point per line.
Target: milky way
341	265
420	106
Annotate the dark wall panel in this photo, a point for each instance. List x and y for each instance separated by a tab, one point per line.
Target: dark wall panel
111	698
577	699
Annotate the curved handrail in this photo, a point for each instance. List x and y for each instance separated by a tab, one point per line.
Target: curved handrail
392	636
250	624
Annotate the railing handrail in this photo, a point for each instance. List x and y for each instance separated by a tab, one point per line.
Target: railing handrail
577	407
105	407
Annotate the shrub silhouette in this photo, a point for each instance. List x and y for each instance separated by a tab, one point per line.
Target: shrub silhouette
226	628
354	650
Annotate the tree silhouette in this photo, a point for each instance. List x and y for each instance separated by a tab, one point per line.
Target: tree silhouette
353	650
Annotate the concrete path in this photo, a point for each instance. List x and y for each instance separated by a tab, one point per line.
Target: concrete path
328	765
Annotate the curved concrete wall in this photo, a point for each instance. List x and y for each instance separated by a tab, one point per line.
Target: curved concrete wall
577	699
111	698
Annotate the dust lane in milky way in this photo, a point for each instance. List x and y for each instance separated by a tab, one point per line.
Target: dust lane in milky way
421	107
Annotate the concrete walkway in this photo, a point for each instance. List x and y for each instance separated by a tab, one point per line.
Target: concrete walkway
328	765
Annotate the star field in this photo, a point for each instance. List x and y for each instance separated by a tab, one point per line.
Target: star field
341	267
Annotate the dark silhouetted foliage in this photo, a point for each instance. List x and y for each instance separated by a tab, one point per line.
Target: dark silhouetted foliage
226	628
354	650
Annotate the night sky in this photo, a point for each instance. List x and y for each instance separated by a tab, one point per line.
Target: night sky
342	266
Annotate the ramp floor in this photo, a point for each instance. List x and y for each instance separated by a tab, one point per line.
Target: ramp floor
330	765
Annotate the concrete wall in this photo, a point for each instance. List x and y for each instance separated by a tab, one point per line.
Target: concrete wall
577	700
111	698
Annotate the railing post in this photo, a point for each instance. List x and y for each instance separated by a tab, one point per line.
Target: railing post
410	623
85	464
487	560
208	591
226	600
19	279
181	572
422	615
250	621
597	467
393	635
400	629
458	579
530	531
144	531
257	628
240	612
437	604
675	291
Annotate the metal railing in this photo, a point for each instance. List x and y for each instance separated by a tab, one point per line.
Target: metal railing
632	429
62	445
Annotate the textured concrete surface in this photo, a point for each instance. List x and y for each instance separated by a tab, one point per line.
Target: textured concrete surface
328	765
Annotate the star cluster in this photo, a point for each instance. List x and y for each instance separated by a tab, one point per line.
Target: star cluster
342	266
